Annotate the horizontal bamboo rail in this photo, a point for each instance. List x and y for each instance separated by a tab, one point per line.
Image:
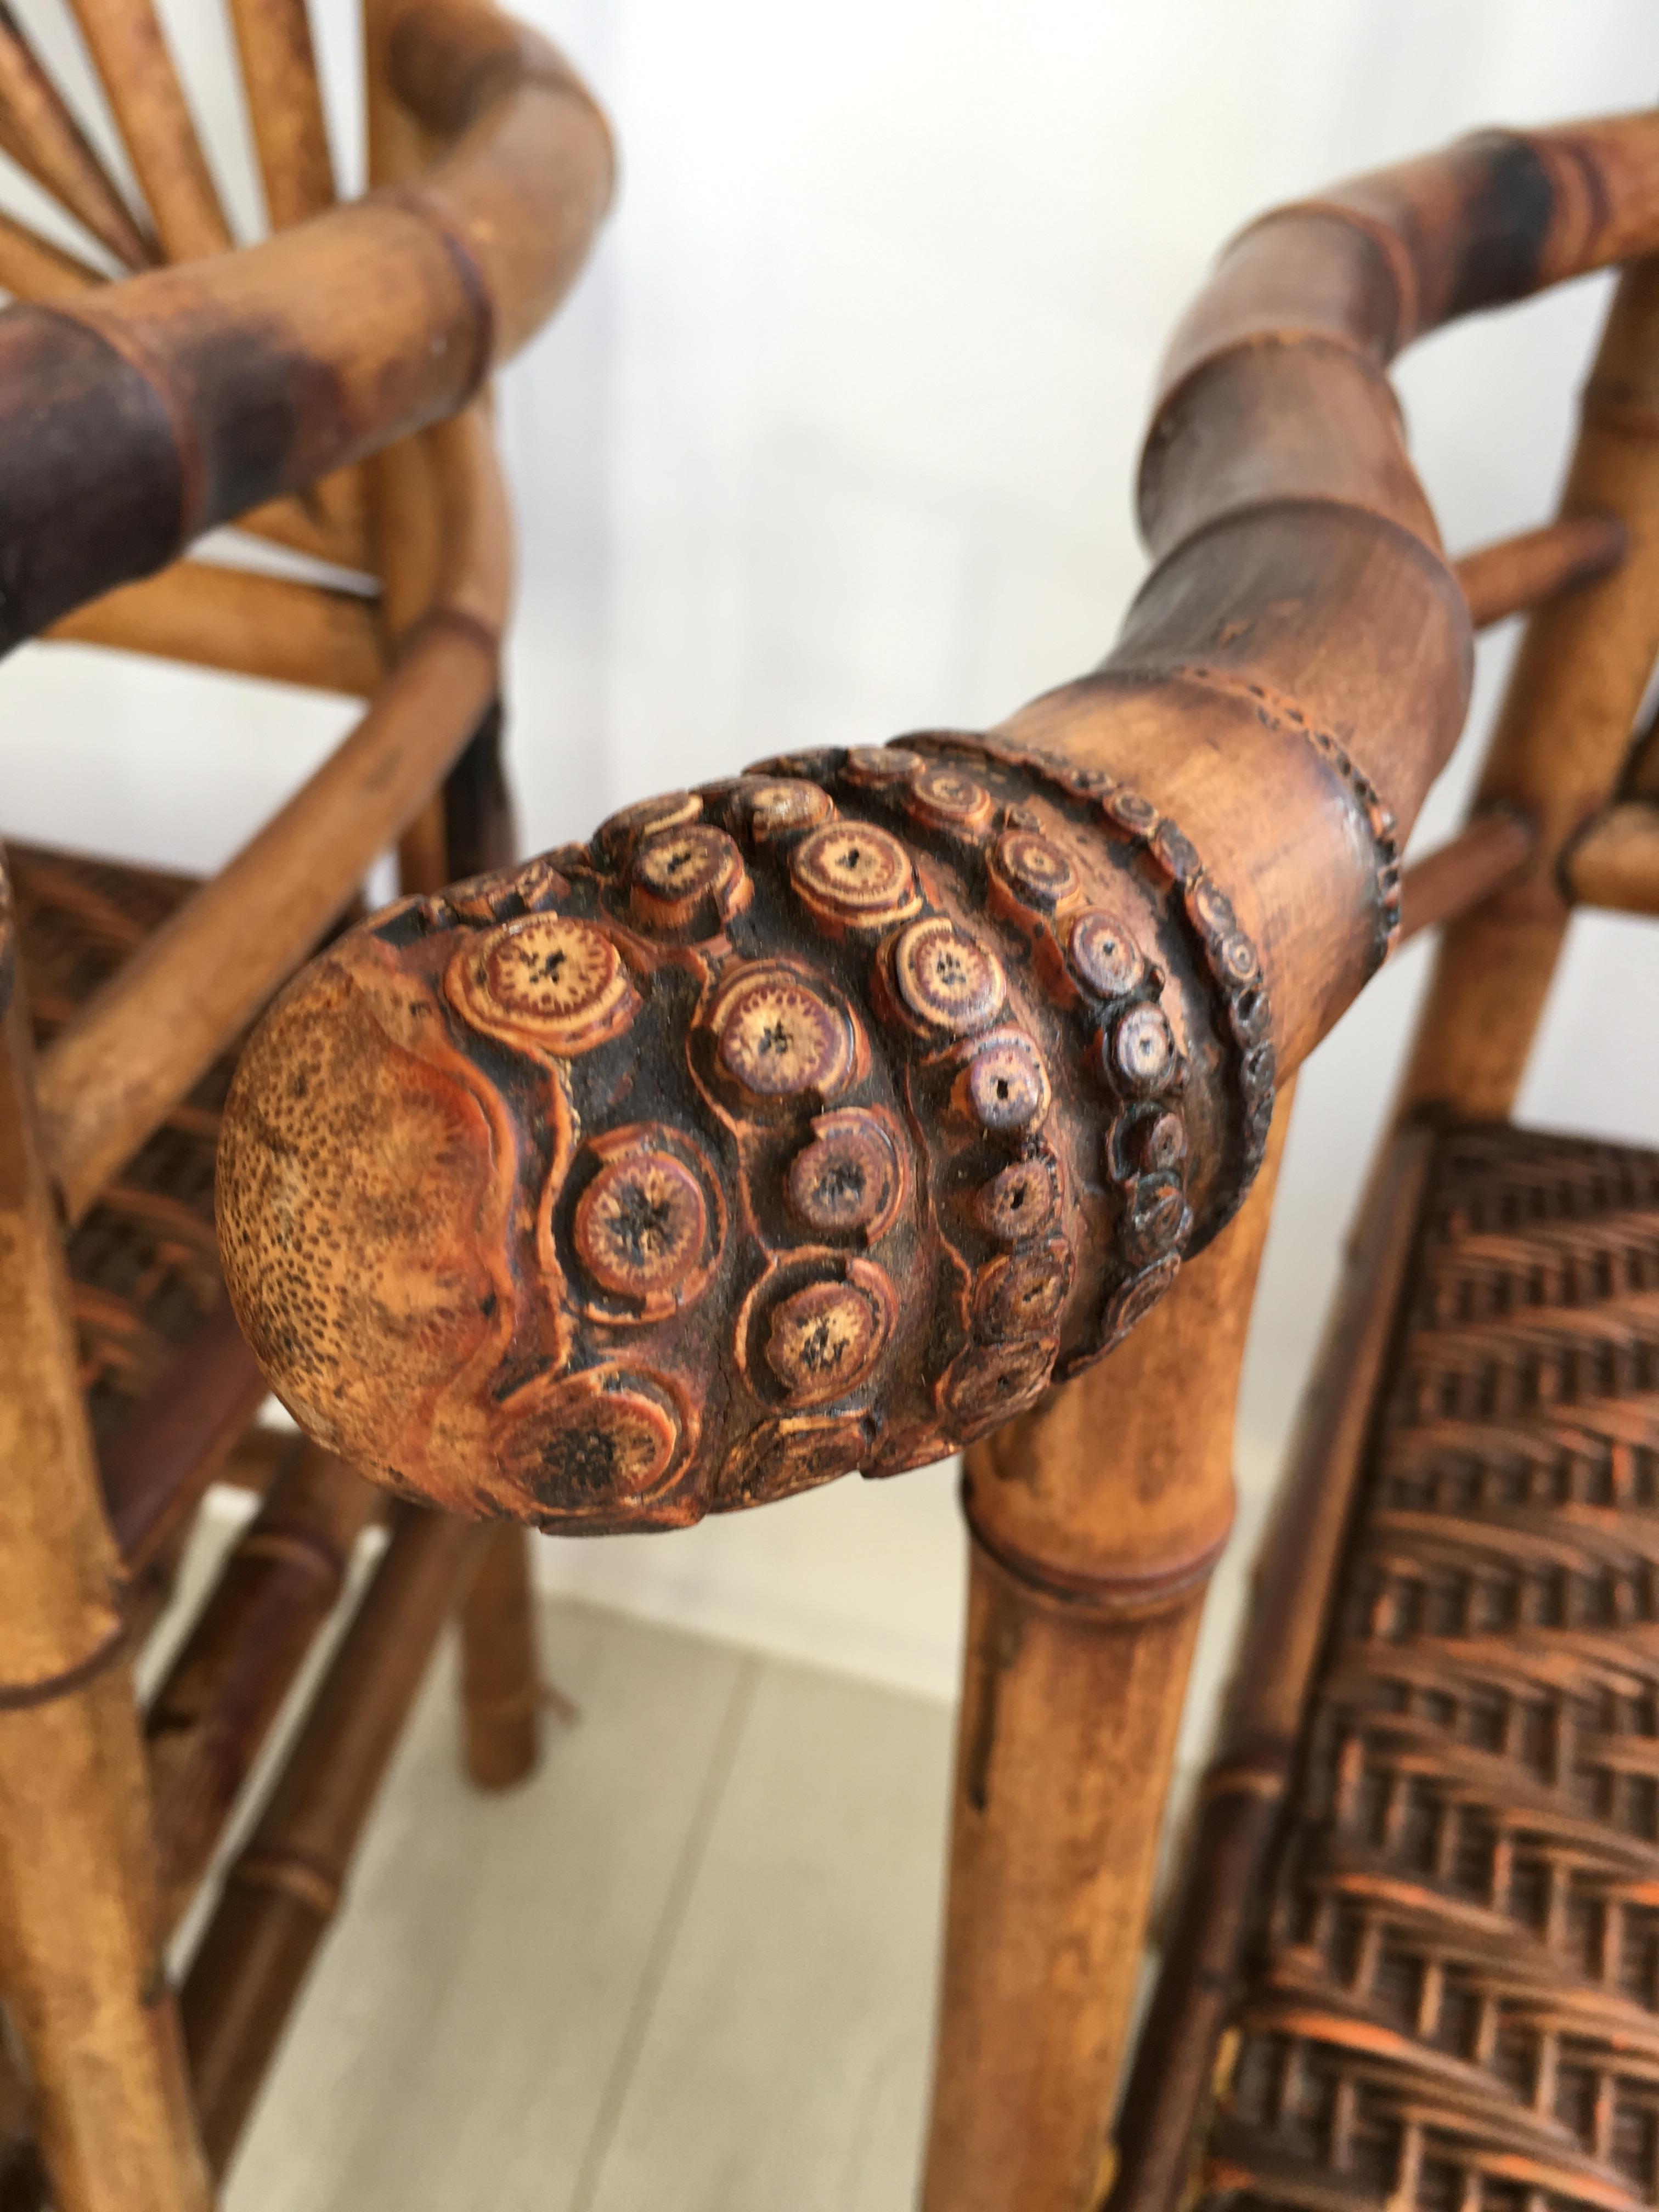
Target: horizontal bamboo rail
1479	860
284	1890
1518	572
108	1079
240	621
1250	1770
209	1719
336	337
1614	862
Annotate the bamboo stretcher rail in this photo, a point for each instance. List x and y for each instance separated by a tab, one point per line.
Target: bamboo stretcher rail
130	50
338	335
44	138
110	1077
1518	572
1250	1770
1614	861
209	1719
238	620
284	1889
1479	860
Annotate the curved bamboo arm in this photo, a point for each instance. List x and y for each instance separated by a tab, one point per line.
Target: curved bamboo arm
134	418
821	1118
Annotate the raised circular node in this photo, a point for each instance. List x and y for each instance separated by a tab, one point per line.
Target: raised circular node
785	808
686	878
988	1381
1104	956
617	837
1211	908
854	874
1156	1220
1131	811
949	799
548	979
1135	1299
825	1339
606	1438
1158	1140
846	1181
641	1225
872	766
947	978
777	1038
787	1453
1022	1294
1033	869
1140	1052
1007	1085
1176	852
1019	1202
1235	958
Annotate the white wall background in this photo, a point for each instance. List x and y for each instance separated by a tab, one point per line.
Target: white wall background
835	438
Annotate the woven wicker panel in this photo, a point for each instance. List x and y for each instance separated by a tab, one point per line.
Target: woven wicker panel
144	1262
1455	2004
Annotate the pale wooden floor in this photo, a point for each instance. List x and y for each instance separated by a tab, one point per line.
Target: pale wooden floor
689	1966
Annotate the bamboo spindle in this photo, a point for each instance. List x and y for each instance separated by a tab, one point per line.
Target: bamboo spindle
1614	863
40	134
111	1076
1250	1771
238	620
78	1934
1095	1520
131	52
31	269
1489	852
1561	736
284	1889
1518	572
285	104
211	1716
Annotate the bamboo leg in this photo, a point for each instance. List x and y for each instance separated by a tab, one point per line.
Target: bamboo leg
1095	1520
78	1927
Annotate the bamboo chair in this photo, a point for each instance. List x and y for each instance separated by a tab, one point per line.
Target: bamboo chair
638	1142
164	384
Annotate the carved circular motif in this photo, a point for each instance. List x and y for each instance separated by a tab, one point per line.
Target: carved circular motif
1131	811
1158	1218
847	1180
1136	1298
1140	1053
1033	869
1213	908
1158	1142
1235	958
614	837
787	1454
787	808
1103	954
874	765
950	799
854	872
1019	1202
997	1379
641	1226
823	1339
607	1437
777	1038
946	977
677	877
548	978
1022	1295
1007	1085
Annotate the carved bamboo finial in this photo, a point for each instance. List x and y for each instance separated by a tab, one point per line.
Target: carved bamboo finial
816	1120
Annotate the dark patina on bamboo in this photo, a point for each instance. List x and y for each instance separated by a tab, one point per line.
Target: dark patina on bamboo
823	1117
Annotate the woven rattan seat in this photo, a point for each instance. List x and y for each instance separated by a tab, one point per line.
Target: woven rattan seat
1453	2003
143	1264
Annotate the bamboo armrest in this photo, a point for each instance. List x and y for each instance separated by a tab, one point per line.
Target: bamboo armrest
823	1117
134	418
